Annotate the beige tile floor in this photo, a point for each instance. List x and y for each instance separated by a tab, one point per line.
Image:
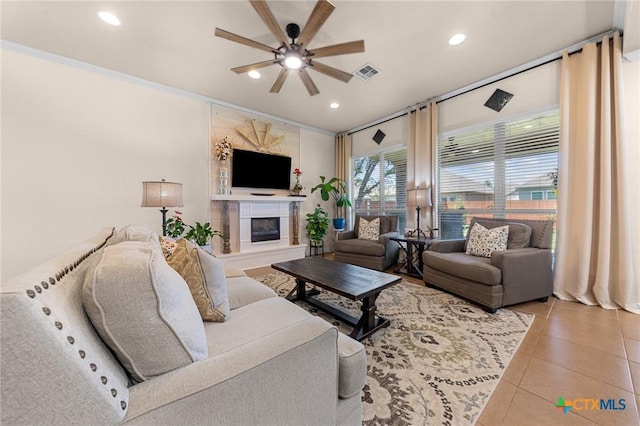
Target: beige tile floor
571	350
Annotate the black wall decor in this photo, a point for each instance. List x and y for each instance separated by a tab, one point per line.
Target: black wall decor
498	100
379	136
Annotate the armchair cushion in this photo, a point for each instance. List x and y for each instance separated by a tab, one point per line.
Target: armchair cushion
369	230
482	241
519	233
458	264
387	223
362	247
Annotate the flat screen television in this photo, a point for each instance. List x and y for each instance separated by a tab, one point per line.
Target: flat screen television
250	169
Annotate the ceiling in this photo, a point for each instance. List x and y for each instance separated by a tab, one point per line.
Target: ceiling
173	43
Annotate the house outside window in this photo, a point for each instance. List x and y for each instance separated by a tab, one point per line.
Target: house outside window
379	184
506	169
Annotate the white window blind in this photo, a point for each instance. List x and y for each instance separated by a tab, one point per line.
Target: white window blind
379	184
504	170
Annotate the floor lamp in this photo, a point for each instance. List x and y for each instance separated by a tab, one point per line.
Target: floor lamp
419	198
162	194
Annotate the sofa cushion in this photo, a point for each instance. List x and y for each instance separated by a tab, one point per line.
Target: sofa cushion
369	230
519	233
464	266
364	247
252	322
483	241
244	290
205	277
143	310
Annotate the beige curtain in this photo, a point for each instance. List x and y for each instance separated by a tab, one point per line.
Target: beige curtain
594	259
343	165
421	158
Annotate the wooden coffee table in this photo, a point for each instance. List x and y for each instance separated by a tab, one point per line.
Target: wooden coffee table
350	281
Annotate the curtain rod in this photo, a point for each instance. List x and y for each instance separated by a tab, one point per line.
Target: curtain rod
552	57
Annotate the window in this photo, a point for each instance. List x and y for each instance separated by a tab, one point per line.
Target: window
507	169
379	184
537	195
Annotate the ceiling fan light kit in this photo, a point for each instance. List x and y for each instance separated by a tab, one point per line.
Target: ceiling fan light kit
294	55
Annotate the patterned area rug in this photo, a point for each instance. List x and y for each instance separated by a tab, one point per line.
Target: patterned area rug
439	360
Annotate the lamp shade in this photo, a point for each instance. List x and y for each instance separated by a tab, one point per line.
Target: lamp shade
419	197
161	194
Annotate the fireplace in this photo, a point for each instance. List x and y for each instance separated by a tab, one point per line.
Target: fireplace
265	229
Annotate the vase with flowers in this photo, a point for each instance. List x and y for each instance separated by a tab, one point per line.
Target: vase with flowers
223	151
297	187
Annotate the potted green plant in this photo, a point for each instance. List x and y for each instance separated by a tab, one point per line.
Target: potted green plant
201	232
317	225
337	189
175	225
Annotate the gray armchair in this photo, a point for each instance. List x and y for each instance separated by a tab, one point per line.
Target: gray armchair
519	274
378	255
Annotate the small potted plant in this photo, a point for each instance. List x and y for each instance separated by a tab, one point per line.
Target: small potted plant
337	189
201	232
431	231
175	225
317	226
297	187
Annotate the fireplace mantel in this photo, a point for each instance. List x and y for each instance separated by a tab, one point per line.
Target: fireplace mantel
256	198
254	254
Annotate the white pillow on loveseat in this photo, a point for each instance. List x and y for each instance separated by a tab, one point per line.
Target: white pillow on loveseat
483	241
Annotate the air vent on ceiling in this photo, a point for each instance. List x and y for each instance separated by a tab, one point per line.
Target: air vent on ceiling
366	72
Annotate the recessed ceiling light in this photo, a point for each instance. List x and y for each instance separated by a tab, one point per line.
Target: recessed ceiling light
334	105
254	74
109	18
457	39
528	126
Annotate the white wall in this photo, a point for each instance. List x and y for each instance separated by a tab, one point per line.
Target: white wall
77	144
533	90
396	136
76	147
317	158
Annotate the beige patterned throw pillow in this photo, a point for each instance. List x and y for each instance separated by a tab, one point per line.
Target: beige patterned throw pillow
168	246
205	277
483	241
369	230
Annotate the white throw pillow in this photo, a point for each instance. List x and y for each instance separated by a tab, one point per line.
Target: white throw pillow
143	310
483	241
369	230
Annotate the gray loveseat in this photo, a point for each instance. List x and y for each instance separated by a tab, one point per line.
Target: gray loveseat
270	363
519	274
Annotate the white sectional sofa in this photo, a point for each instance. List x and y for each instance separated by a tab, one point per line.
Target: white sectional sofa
269	363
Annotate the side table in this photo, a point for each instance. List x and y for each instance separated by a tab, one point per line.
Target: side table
413	248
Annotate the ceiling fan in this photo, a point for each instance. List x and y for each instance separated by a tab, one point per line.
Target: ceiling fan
294	55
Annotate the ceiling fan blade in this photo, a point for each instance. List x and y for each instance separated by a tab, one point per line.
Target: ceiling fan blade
318	16
244	40
267	17
339	49
277	85
308	83
331	71
257	65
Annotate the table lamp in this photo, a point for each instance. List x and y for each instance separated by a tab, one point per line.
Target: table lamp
162	194
418	198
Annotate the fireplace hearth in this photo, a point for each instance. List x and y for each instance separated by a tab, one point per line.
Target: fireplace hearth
265	229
